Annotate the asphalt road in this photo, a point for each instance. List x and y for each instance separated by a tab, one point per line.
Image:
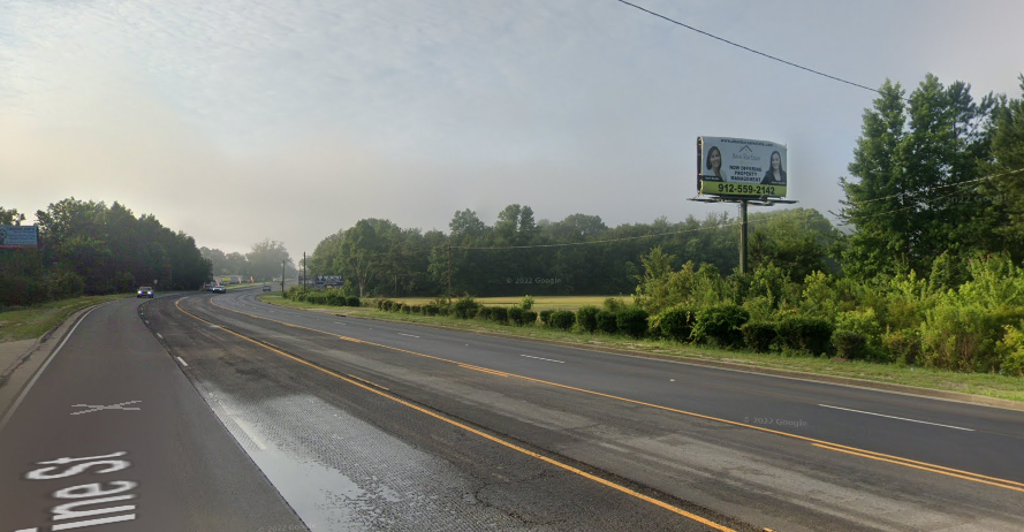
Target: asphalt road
355	424
112	436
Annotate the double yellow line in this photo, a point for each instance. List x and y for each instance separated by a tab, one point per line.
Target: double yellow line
370	387
853	451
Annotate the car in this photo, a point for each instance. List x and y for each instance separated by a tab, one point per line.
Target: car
145	291
266	288
218	289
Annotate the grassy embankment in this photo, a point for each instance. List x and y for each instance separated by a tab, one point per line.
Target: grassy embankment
23	323
999	386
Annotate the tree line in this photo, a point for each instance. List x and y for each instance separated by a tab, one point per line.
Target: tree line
89	248
577	255
262	263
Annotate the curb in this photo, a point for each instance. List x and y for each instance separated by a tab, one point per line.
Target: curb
930	393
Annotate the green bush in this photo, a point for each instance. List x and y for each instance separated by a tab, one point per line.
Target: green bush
405	308
586	318
563	319
499	314
529	317
515	315
674	324
416	309
483	312
431	309
760	335
607	322
613	304
962	336
813	335
382	304
850	345
545	317
632	321
720	324
465	308
903	346
527	303
353	301
1011	351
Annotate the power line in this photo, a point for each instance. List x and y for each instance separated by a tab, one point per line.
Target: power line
751	50
1011	173
589	242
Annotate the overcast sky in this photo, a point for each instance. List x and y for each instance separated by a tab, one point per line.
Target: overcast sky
239	120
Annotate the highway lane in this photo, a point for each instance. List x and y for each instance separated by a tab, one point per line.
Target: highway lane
348	454
764	478
112	436
983	440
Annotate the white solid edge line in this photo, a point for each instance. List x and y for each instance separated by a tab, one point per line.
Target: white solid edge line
409	335
24	392
160	336
545	359
899	418
183	363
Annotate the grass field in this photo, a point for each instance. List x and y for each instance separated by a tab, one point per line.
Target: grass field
999	386
33	322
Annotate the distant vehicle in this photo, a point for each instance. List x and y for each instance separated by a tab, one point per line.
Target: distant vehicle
145	291
266	288
218	289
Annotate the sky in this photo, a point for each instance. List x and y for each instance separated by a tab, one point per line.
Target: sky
241	120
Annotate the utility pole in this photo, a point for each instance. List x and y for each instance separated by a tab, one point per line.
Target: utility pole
282	278
303	269
449	271
743	236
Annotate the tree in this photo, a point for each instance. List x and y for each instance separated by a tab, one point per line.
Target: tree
10	217
908	201
795	240
1006	192
267	259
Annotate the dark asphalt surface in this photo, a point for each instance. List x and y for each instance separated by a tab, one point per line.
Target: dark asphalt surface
427	429
169	465
765	479
993	446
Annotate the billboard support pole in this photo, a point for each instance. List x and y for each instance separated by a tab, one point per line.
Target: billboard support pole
743	236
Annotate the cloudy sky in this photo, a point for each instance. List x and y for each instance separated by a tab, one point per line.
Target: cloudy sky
239	120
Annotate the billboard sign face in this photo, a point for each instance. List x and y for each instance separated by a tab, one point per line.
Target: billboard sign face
741	167
19	236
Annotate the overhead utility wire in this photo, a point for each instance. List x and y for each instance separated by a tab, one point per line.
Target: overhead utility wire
1011	173
751	50
621	239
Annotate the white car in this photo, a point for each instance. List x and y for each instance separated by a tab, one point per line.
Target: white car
218	289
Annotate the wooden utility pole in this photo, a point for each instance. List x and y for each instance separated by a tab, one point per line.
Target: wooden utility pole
743	236
449	271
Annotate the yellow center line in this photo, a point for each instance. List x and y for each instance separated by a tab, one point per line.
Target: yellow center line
967	475
499	441
905	463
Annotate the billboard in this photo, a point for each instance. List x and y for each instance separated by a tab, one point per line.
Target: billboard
19	236
741	167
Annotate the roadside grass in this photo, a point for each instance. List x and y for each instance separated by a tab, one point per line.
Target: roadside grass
991	385
23	323
243	285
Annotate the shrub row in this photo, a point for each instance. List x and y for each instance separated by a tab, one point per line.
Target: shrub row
331	297
727	325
